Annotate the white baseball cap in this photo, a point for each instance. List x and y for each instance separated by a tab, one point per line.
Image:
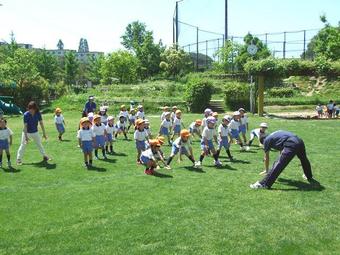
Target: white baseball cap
264	125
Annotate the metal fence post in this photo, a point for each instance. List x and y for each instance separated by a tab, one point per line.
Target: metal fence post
206	54
284	45
197	49
304	44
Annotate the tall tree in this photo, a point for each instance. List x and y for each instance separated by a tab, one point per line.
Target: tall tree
71	68
47	65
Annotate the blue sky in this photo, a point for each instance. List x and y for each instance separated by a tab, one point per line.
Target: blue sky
102	22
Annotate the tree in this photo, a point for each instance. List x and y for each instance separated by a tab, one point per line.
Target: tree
243	56
47	65
326	43
60	45
121	65
227	55
71	68
140	42
175	62
94	68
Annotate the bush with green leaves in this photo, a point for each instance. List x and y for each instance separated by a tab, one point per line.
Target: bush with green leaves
121	65
198	94
281	92
237	95
175	62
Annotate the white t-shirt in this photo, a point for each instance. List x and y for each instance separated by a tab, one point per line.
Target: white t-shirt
258	133
124	113
244	120
120	125
223	130
208	133
103	118
318	108
163	115
140	115
5	134
204	122
234	124
149	154
85	134
166	123
59	119
99	130
140	135
132	117
177	121
178	143
111	130
194	127
172	116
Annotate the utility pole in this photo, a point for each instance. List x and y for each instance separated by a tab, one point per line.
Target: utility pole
176	23
226	21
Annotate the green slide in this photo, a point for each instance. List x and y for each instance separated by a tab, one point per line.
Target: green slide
7	107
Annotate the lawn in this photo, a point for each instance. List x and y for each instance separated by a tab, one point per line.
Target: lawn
62	208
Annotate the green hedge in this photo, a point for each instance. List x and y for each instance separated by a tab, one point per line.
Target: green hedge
198	94
236	96
291	67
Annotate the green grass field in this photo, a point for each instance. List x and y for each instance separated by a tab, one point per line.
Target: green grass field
62	208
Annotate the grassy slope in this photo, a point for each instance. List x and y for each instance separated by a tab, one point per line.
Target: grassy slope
61	208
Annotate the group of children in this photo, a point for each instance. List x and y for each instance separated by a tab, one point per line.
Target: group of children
331	110
98	132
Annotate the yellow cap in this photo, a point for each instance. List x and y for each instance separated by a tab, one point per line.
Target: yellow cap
58	110
185	133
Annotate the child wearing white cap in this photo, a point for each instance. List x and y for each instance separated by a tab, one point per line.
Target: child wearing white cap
165	128
103	114
110	132
224	135
258	133
234	127
207	142
243	124
140	113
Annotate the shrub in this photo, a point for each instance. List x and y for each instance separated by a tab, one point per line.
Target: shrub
198	94
281	92
237	95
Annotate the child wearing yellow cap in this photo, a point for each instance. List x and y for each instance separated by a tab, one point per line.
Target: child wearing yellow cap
86	139
140	137
132	118
99	129
148	157
195	128
59	123
182	146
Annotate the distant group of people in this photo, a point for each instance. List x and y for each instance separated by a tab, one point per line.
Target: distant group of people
331	110
97	131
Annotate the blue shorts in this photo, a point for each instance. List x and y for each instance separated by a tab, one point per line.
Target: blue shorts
109	138
177	129
175	150
132	121
87	146
60	128
140	145
243	129
235	133
100	141
145	160
210	145
164	131
4	145
224	143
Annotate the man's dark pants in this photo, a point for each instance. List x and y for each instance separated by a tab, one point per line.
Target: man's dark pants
293	146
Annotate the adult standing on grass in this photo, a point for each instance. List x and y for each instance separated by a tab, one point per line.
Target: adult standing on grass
330	108
31	119
290	146
90	106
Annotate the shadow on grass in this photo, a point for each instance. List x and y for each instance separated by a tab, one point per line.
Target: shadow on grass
223	167
43	164
109	160
239	161
65	141
160	175
193	169
11	170
119	154
97	169
299	185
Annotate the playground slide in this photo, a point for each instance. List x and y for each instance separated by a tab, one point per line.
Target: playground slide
9	108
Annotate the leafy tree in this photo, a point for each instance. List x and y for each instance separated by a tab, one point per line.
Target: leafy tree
175	62
326	43
227	55
243	56
121	65
140	41
47	65
94	68
71	68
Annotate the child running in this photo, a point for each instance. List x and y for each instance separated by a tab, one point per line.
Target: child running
140	113
140	137
259	133
59	123
165	110
165	128
182	146
86	139
110	132
207	145
223	136
195	128
121	127
132	118
99	129
6	138
207	113
148	157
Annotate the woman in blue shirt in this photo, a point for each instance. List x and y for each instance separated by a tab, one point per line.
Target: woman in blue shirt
31	119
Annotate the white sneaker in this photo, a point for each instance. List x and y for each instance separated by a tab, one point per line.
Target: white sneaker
305	178
247	148
168	167
198	164
257	185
